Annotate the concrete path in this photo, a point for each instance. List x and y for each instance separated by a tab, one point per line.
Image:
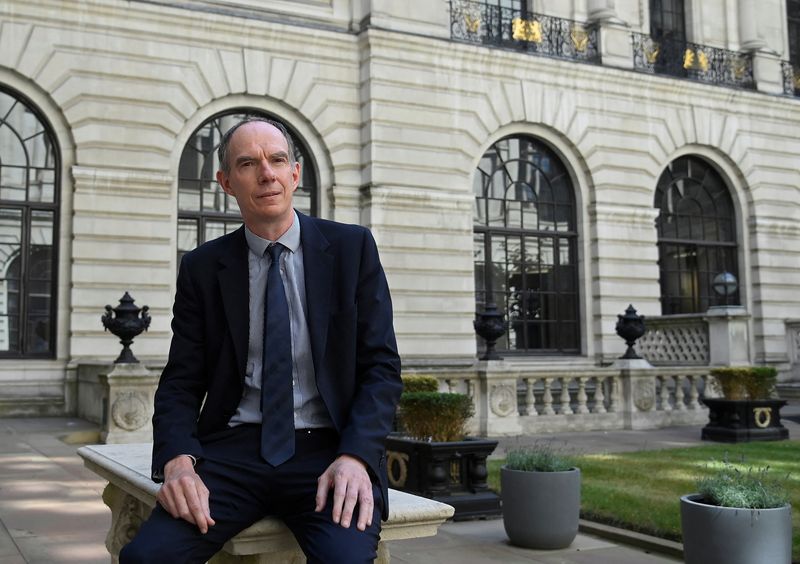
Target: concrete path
51	509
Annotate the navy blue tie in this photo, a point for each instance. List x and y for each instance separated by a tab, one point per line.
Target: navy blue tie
277	399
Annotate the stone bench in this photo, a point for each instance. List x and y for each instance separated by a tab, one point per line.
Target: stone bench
131	494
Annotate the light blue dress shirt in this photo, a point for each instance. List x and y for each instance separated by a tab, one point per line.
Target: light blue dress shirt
309	410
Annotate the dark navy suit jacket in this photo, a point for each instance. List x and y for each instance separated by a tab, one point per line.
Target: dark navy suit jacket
353	344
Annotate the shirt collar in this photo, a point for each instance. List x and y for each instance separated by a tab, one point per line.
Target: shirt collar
290	239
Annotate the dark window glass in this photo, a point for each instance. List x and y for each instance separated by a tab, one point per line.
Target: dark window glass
205	211
696	236
793	18
29	167
667	20
525	246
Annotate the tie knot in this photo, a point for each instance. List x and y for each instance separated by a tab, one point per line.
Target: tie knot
275	251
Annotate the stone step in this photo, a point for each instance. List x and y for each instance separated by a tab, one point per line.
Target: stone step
31	407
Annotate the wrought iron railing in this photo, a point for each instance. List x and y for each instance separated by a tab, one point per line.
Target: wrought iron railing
692	60
791	78
490	24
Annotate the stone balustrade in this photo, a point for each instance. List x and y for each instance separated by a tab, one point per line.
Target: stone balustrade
510	401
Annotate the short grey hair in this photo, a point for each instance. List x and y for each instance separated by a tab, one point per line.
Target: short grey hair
222	150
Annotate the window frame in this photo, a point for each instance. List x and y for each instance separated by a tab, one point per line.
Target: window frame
700	249
27	209
539	287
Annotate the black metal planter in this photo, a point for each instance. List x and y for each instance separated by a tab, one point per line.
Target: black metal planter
736	421
453	472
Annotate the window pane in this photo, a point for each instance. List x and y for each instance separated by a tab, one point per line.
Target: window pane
10	277
530	195
187	235
697	218
28	190
13	183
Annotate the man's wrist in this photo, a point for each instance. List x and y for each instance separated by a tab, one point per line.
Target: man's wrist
180	462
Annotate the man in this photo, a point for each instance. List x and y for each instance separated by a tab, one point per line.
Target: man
282	379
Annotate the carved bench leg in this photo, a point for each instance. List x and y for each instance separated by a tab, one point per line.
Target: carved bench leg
383	554
127	515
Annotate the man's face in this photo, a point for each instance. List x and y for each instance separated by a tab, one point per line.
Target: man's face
261	177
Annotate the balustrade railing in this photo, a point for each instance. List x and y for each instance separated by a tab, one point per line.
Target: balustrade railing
791	78
675	340
599	398
692	60
480	22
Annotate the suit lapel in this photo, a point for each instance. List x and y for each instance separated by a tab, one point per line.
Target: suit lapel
234	283
318	266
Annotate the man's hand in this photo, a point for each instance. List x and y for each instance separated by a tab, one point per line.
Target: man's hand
351	484
184	494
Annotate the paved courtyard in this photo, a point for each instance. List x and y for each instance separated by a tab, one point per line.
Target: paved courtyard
51	509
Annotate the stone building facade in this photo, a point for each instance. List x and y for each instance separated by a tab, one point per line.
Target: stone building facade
560	159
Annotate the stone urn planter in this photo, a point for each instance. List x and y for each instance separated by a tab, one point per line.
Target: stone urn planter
452	472
541	509
747	411
735	421
734	535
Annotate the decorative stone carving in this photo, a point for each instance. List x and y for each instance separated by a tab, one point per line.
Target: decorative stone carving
644	394
503	400
130	410
397	466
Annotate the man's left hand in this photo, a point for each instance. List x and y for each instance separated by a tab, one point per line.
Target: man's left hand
351	485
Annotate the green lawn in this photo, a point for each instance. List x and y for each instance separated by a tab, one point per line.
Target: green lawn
641	490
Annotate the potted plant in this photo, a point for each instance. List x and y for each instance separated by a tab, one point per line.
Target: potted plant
541	491
737	517
431	455
746	411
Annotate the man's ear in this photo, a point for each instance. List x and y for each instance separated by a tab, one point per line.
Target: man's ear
295	176
222	179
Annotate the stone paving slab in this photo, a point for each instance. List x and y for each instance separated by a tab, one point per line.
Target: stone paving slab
480	542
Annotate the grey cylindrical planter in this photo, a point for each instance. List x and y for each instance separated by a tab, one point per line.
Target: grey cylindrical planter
734	536
541	509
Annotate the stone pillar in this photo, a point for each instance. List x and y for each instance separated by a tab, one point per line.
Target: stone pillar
638	398
616	49
496	406
728	336
756	27
129	404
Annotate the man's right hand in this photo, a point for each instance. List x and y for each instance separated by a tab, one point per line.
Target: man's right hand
184	495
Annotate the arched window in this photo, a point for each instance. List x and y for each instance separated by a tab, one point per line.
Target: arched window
696	237
29	197
205	211
526	246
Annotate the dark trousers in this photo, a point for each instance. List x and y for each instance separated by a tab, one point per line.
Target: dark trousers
244	489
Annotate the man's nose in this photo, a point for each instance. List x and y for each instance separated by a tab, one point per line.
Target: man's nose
266	172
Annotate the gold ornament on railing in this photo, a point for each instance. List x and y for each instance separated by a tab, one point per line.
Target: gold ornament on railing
652	53
688	59
526	30
695	60
580	39
473	23
739	67
797	79
702	60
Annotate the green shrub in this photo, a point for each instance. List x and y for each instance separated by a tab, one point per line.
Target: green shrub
538	458
761	382
435	416
744	382
420	384
732	487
